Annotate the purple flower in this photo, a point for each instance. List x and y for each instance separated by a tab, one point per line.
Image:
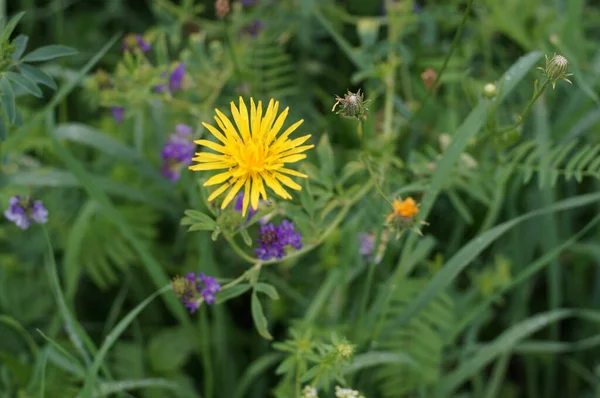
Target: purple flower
192	290
239	206
134	41
177	152
23	211
253	28
175	80
273	240
367	244
118	113
247	3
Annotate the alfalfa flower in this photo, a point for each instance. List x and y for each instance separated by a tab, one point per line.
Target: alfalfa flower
404	214
367	246
252	154
24	211
175	82
352	105
275	239
177	152
134	41
556	69
118	113
194	289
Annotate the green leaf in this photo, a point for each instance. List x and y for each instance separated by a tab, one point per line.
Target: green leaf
19	370
49	52
169	349
258	316
36	75
25	83
503	344
256	369
267	289
16	325
246	237
111	338
2	129
10	26
375	358
232	292
199	216
326	159
8	99
471	250
20	44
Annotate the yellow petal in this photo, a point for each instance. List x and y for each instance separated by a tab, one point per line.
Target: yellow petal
261	188
255	191
210	157
289	131
270	114
219	191
230	132
277	126
256	119
232	192
275	186
213	130
210	166
293	151
217	179
212	145
292	159
301	140
287	181
246	196
292	172
241	122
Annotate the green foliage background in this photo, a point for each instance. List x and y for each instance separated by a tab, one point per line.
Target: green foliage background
499	298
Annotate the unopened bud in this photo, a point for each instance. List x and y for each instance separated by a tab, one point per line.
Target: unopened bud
352	105
490	90
556	69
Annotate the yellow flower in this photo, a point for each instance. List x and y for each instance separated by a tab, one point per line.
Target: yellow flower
252	153
404	208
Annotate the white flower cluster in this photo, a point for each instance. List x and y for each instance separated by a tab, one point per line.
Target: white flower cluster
347	393
309	392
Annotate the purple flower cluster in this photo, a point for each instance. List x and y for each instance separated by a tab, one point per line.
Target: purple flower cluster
23	211
118	113
273	240
134	41
177	152
192	289
367	244
175	80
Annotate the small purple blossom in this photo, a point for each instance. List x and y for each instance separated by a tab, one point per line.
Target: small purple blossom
118	113
177	152
239	206
23	211
192	290
134	41
273	240
247	3
175	80
367	244
253	28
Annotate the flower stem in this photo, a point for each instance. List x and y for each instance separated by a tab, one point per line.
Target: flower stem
446	60
390	78
370	274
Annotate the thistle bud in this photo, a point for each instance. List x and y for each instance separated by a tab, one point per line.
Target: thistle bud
556	69
490	90
353	105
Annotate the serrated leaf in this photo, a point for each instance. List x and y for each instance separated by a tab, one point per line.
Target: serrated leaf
49	52
232	292
11	25
20	44
36	75
8	99
258	316
25	83
267	289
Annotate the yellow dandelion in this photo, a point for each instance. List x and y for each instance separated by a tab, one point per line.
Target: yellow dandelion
252	153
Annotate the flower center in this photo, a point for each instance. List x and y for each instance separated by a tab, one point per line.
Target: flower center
268	237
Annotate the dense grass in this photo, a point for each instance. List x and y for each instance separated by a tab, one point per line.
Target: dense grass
491	290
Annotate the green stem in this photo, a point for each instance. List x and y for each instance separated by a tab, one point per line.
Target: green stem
2	14
370	274
206	355
446	60
390	78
